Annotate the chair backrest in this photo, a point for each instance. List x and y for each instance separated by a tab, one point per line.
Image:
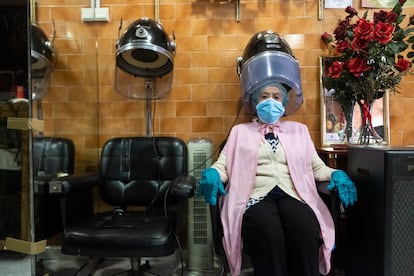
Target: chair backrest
52	155
138	171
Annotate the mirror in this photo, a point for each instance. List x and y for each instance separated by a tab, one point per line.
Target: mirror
69	141
342	127
69	111
15	202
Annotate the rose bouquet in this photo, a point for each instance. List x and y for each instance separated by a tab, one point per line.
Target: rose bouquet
370	56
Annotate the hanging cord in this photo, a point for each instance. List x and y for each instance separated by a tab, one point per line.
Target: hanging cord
154	143
120	28
153	110
42	169
239	108
154	199
177	239
125	169
221	145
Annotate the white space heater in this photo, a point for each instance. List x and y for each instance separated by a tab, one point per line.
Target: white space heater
200	232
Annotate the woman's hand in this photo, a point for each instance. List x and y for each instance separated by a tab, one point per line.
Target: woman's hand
346	188
210	185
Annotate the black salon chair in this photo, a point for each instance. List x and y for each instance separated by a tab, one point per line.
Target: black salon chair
144	181
330	199
52	157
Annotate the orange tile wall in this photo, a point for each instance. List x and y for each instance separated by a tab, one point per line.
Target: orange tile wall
82	103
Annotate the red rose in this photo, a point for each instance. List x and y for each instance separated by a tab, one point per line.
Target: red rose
363	29
357	66
341	46
351	11
340	31
326	38
391	17
359	44
402	64
383	16
379	16
383	32
335	70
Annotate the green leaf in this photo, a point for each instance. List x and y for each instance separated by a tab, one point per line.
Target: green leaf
410	40
409	30
397	47
349	33
400	18
364	16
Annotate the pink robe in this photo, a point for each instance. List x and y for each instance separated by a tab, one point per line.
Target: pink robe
241	152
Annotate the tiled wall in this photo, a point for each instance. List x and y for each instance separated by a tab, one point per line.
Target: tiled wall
82	103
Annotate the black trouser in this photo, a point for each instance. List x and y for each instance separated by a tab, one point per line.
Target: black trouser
282	237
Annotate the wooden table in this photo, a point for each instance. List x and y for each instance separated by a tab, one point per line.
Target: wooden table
334	157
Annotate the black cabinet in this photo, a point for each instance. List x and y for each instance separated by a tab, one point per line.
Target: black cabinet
379	236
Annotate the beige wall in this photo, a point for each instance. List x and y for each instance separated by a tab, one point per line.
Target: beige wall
83	105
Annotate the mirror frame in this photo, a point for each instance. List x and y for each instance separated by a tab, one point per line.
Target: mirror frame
332	140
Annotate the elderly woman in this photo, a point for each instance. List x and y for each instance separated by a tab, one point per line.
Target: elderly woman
271	209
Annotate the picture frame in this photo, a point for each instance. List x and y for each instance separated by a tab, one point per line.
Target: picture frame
383	4
333	119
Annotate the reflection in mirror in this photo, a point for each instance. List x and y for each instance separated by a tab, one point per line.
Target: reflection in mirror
339	126
334	123
13	48
14	174
51	156
43	61
43	58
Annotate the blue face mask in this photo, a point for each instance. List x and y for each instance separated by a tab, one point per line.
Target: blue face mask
269	111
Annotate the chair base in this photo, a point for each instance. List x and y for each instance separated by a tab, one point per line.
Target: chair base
137	269
54	262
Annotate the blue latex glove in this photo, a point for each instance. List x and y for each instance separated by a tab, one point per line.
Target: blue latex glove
346	188
210	185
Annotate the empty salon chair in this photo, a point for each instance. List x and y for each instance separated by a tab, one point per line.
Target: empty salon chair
52	157
144	181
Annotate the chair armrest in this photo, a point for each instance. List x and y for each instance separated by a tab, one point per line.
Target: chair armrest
41	183
183	186
330	198
73	183
322	187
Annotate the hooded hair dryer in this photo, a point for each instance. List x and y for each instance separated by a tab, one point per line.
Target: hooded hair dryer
268	58
43	56
144	61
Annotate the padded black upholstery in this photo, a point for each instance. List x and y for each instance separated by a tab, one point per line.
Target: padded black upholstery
51	156
139	178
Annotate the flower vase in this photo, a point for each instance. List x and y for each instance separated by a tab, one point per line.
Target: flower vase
348	114
363	131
